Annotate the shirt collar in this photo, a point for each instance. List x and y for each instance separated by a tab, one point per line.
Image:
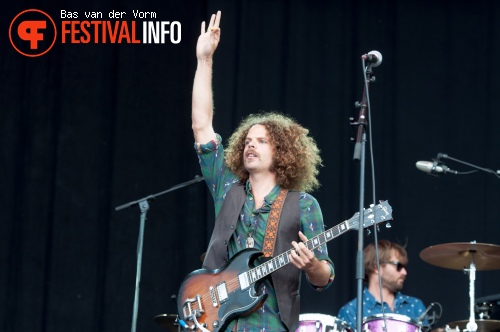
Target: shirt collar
268	199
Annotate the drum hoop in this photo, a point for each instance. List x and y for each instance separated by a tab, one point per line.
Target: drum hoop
329	320
391	316
314	315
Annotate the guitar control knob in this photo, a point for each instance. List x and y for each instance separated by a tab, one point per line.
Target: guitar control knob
215	323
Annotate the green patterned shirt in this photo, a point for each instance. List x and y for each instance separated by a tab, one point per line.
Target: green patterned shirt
251	221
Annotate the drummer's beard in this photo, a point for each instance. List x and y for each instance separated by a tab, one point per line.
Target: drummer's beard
393	285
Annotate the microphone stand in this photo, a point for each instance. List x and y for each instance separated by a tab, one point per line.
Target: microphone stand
143	204
487	170
359	156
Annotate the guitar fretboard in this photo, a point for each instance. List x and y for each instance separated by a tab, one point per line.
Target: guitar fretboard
281	260
253	275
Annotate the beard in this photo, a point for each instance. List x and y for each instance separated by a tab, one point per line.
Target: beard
393	285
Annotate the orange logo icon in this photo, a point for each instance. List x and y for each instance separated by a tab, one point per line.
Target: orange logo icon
32	32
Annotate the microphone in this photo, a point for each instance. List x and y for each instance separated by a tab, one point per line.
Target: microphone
434	168
373	57
421	318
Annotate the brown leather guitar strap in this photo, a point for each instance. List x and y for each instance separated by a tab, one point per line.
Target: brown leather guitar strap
272	224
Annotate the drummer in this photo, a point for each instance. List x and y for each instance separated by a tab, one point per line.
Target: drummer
393	261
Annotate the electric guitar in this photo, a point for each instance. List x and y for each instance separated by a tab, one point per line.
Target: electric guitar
210	299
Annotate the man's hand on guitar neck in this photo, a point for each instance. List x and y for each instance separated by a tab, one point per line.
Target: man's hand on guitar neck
318	272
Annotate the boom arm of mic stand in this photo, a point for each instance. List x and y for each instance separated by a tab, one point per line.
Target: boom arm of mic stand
150	198
144	206
487	170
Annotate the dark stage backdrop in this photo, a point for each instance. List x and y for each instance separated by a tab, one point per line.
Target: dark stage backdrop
88	127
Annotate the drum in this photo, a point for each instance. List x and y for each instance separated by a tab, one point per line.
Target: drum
321	323
394	322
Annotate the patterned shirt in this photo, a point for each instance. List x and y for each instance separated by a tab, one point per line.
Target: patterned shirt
252	221
403	305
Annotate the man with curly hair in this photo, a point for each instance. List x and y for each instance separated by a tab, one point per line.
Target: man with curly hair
268	156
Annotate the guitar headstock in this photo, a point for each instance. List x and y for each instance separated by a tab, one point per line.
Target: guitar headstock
374	215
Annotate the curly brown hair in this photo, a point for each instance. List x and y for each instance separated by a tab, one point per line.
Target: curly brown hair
296	159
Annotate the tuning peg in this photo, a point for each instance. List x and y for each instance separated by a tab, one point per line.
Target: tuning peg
368	231
388	225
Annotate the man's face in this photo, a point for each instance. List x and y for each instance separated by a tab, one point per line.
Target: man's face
392	279
258	153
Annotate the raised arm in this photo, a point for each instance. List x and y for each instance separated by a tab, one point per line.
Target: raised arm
202	107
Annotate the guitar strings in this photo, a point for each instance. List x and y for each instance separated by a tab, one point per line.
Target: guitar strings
233	284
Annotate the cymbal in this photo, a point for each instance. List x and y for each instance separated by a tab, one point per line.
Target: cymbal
483	325
459	255
167	321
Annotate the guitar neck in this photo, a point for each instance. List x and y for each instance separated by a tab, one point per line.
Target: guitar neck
275	263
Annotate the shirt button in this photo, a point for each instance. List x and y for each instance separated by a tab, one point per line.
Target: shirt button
251	198
225	242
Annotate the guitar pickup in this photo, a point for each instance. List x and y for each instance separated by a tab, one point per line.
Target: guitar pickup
222	292
244	283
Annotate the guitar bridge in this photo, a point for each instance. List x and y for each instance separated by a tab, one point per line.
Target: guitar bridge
213	297
188	310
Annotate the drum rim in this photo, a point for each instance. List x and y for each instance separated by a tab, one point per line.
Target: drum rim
391	316
315	313
307	317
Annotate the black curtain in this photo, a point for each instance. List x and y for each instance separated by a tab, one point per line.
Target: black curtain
88	127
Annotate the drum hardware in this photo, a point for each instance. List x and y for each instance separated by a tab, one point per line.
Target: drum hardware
322	323
472	325
431	319
484	310
487	306
457	256
490	298
483	325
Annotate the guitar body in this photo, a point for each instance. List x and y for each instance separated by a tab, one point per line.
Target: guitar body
217	293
